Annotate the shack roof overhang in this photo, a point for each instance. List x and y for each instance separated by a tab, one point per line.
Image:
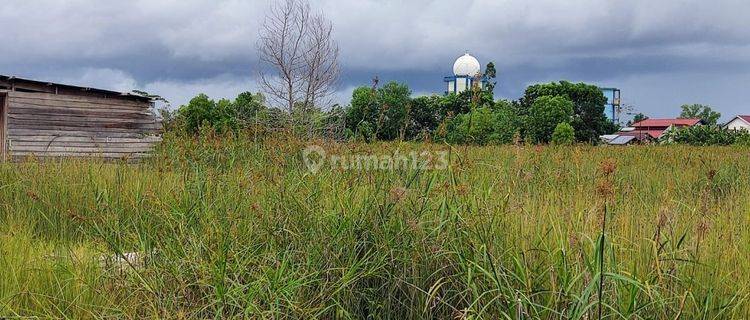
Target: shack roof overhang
12	83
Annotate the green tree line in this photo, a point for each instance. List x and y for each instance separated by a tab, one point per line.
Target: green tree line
557	112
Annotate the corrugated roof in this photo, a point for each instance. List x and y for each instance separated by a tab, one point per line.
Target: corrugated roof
666	122
621	140
746	118
641	134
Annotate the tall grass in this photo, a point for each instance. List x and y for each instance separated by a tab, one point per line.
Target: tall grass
230	228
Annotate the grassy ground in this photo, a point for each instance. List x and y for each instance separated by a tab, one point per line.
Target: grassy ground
228	228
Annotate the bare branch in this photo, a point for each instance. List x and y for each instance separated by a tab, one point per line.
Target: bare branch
298	46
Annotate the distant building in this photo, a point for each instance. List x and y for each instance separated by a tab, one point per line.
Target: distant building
655	128
739	123
618	140
466	70
649	130
612	108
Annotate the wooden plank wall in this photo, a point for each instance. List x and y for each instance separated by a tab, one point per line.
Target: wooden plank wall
2	126
50	125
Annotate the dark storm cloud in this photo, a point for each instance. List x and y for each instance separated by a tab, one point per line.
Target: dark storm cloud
143	67
660	53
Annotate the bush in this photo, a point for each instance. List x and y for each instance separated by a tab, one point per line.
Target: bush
424	117
464	118
365	132
474	127
545	114
743	139
708	136
202	111
588	102
564	134
484	126
247	106
385	108
222	116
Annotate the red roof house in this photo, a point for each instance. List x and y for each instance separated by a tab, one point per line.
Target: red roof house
655	128
666	123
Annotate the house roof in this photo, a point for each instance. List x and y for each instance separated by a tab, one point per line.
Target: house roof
20	84
641	134
666	122
744	118
622	140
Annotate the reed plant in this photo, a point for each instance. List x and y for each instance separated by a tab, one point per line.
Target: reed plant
237	227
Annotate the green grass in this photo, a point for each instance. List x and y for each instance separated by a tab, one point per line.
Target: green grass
235	229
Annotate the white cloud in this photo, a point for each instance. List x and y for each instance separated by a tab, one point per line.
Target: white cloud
109	79
177	92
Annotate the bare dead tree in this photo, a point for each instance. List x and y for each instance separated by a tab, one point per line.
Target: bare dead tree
280	47
298	47
321	62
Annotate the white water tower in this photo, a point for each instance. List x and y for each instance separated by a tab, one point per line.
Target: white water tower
465	70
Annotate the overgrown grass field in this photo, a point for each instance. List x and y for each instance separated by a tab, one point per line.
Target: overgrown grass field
229	227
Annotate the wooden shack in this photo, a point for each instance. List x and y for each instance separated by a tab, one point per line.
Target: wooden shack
42	119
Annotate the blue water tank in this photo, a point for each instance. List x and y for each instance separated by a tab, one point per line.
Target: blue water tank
613	104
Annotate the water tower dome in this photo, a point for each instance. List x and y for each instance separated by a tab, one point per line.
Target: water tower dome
466	66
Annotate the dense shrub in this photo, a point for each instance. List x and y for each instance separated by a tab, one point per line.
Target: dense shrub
588	101
385	108
707	136
484	126
424	117
364	132
247	106
742	139
389	113
222	115
564	134
544	115
474	127
454	104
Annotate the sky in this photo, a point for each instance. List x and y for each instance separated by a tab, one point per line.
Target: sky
661	54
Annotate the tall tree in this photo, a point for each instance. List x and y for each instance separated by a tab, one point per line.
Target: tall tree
484	125
247	106
700	111
588	120
395	99
297	45
364	108
490	73
544	116
424	116
385	110
455	104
